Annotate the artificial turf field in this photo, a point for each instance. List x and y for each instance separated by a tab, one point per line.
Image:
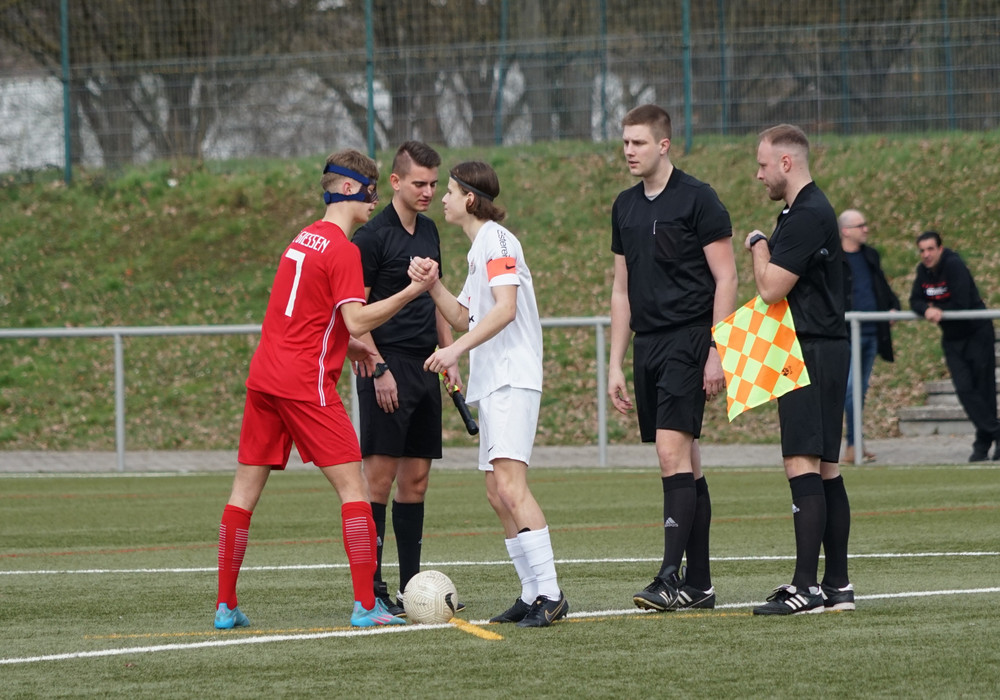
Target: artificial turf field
107	588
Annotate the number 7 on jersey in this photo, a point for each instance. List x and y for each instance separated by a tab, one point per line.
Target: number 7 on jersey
299	257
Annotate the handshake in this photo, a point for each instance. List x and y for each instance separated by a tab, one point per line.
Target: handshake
423	272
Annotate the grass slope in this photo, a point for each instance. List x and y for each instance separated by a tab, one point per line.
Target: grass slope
173	243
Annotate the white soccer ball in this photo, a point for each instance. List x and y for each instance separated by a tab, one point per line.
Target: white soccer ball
430	597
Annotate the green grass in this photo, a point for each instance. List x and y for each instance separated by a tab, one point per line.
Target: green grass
132	249
95	564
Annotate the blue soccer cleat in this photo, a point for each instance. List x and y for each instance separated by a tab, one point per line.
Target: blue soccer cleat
375	617
226	619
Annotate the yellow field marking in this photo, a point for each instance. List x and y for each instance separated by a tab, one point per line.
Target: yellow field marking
475	629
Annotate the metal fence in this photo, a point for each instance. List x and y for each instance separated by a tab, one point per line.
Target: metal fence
119	333
854	318
110	83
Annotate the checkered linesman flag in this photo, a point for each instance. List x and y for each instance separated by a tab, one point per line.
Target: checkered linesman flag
760	353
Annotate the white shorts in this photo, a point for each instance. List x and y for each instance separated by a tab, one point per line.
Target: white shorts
507	421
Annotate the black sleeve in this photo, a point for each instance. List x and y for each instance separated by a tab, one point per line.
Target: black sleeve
918	303
890	299
366	241
959	285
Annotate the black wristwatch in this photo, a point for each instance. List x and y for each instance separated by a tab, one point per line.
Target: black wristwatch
380	369
756	239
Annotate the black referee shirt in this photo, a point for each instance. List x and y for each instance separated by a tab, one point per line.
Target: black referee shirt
386	249
669	282
806	242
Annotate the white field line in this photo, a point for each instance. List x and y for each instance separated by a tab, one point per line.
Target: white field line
432	565
305	636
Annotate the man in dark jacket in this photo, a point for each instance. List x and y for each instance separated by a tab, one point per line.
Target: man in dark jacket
944	283
867	290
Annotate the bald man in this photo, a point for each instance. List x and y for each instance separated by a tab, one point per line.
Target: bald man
867	290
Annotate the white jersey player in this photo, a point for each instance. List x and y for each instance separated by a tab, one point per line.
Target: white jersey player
504	341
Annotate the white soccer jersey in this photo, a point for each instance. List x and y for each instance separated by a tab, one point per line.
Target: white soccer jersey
513	357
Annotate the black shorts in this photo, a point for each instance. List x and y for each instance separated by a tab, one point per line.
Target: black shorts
669	370
812	417
413	429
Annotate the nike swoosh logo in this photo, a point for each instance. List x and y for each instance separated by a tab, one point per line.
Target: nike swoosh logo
554	613
510	267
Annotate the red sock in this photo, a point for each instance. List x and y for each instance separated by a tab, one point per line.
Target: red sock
233	532
359	543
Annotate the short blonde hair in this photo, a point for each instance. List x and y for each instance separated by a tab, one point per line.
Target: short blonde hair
653	116
785	135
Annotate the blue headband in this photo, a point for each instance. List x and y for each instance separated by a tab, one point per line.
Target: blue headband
362	195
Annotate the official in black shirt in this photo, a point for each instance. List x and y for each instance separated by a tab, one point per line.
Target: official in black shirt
803	262
674	277
400	405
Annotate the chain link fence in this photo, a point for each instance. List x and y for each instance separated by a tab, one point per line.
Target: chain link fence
114	82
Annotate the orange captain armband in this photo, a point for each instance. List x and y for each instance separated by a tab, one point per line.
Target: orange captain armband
501	266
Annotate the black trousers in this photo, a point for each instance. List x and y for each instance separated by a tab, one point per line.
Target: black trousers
972	363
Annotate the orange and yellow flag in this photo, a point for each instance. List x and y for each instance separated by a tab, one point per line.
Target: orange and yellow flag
760	353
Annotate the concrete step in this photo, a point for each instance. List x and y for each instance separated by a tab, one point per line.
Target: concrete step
941	414
949	398
918	421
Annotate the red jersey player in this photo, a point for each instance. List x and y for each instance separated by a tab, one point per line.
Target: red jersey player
317	302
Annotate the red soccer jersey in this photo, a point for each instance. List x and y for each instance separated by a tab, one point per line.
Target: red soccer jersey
304	339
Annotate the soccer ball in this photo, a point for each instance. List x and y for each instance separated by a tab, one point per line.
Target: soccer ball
430	597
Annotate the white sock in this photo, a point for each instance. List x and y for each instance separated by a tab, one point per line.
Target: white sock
529	589
537	547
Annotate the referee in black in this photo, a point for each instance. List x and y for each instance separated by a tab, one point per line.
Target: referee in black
674	278
400	405
803	262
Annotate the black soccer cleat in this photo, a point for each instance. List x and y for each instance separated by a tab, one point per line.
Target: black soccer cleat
544	611
382	593
689	597
788	600
837	599
660	595
515	613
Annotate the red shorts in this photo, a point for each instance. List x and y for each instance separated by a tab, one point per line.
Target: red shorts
323	435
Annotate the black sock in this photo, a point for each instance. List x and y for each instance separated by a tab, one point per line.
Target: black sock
699	573
678	514
378	515
809	516
408	524
838	531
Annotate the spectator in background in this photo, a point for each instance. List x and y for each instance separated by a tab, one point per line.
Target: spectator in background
867	290
944	283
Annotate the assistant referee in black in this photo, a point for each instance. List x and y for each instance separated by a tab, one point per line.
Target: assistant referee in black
803	262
